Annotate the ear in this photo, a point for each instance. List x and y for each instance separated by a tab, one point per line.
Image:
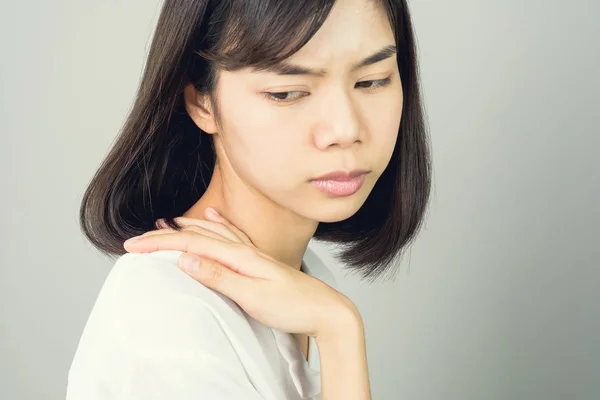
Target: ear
199	109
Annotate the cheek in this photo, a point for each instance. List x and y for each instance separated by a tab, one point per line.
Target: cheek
384	124
261	143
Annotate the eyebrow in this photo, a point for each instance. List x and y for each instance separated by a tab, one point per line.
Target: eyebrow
285	68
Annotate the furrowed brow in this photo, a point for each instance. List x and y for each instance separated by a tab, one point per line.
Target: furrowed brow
285	68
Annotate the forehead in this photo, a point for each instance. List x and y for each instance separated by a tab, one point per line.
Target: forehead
353	29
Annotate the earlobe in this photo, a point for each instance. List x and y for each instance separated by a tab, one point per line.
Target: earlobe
198	108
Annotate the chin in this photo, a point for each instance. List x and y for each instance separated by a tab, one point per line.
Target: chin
335	210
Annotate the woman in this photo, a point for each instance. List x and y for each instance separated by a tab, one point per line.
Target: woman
293	120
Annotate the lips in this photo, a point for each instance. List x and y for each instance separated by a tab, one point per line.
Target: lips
338	188
341	175
340	183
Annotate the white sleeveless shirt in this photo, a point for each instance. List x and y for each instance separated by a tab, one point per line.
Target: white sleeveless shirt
154	333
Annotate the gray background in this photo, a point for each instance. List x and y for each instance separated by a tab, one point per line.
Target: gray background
498	298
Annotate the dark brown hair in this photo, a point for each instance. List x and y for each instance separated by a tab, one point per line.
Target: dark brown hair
161	162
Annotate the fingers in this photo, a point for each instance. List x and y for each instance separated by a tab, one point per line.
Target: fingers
216	223
203	227
216	226
188	228
236	256
213	215
214	275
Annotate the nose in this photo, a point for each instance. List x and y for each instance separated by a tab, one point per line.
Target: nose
339	121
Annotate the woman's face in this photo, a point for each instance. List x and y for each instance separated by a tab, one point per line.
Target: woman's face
345	120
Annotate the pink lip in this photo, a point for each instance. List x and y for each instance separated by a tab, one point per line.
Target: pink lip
340	184
341	175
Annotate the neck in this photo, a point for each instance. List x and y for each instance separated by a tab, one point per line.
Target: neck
275	231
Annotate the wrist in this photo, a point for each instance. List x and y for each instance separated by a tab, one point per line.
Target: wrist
344	322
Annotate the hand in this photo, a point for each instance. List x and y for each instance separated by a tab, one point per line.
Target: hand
271	292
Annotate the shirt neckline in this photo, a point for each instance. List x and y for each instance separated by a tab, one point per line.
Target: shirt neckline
305	374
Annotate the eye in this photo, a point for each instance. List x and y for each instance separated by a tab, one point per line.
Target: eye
374	84
282	97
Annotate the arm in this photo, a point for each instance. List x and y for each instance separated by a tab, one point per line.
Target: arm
342	350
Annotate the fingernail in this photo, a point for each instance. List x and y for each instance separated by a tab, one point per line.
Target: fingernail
189	262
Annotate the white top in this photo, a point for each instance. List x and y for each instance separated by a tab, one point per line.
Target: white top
155	333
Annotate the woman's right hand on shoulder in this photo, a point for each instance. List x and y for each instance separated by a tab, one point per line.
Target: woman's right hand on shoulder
271	292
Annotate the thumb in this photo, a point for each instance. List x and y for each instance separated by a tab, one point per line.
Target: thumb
212	274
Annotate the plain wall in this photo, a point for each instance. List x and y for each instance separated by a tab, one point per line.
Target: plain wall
498	298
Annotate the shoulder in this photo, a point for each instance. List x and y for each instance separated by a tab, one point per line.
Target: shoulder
150	316
158	310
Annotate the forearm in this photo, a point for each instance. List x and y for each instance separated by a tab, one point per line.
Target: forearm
343	355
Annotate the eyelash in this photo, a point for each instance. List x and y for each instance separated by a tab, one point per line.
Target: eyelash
377	83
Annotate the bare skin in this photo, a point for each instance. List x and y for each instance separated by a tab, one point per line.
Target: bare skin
274	294
347	119
342	121
338	126
303	343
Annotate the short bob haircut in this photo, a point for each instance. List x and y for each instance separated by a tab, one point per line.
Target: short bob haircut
161	162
